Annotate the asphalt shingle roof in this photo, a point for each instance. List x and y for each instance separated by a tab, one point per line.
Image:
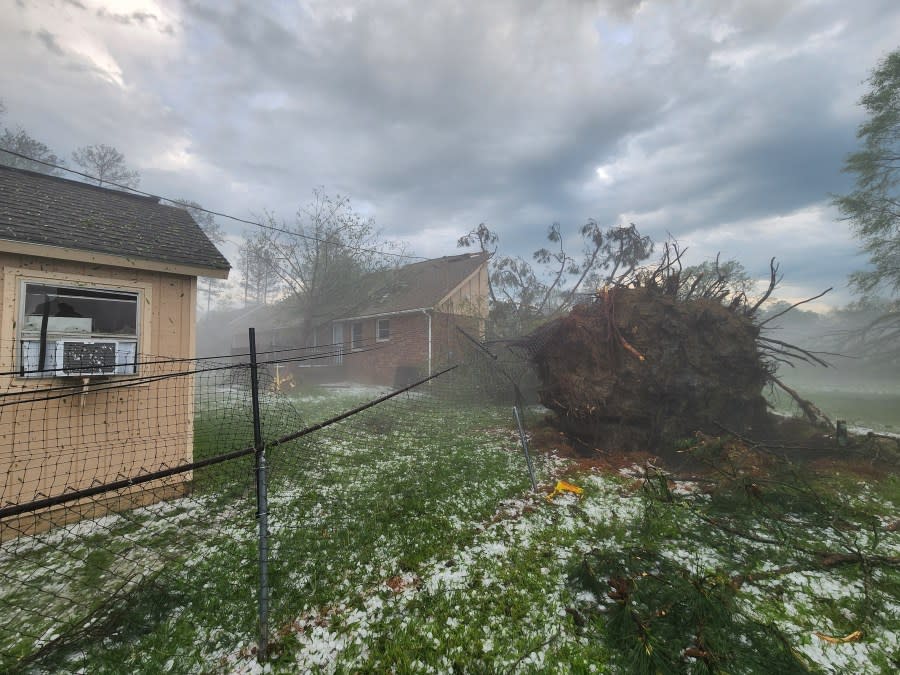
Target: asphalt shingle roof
420	285
40	209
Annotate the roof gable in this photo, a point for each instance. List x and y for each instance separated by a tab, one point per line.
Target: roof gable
50	211
421	285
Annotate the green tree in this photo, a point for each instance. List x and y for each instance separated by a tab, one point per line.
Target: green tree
873	208
106	165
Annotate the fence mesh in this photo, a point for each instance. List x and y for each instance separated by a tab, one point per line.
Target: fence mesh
129	505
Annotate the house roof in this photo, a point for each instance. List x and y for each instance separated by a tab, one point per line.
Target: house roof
65	214
421	285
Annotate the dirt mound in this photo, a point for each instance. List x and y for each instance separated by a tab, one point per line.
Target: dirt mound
638	365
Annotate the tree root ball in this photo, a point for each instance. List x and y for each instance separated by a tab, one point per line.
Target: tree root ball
639	366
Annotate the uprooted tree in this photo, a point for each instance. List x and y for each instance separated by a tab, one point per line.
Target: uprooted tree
662	354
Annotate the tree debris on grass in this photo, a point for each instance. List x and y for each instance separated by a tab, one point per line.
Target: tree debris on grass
782	569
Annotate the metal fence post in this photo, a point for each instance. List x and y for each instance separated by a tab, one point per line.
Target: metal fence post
525	447
262	508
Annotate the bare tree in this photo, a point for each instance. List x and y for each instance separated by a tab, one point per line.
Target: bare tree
323	255
523	295
20	142
17	140
106	164
211	286
258	266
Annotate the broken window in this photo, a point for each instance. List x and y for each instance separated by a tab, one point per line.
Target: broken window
77	331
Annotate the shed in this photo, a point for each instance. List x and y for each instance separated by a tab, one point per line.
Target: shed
99	295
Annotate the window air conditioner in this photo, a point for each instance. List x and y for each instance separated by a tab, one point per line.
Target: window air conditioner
82	358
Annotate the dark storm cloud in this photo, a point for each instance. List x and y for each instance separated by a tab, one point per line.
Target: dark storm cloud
49	41
444	119
136	19
133	17
703	119
434	106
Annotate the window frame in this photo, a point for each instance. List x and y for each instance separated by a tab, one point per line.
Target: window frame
378	337
127	344
337	339
356	343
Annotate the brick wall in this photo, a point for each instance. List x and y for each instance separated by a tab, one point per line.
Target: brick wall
403	356
394	361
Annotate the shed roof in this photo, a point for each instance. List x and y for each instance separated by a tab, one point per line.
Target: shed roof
47	210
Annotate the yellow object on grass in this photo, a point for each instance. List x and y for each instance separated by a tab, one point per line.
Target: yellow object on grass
853	637
561	487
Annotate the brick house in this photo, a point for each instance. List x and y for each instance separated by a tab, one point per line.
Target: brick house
395	326
407	325
98	286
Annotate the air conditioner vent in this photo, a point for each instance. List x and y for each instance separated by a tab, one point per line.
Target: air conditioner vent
86	357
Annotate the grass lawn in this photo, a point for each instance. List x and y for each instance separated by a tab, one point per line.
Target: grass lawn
408	537
864	409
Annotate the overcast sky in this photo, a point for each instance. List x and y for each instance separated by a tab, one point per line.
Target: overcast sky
722	122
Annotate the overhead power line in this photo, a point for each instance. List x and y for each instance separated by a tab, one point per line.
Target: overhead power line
220	214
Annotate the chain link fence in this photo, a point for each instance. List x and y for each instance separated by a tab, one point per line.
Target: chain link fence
139	532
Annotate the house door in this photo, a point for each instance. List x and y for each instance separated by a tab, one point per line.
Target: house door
337	335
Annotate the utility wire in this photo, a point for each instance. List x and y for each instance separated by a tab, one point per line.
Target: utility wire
220	214
40	395
311	352
155	360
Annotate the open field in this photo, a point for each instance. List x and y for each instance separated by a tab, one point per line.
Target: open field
877	409
408	537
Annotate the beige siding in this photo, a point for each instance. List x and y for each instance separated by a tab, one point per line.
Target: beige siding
51	446
469	299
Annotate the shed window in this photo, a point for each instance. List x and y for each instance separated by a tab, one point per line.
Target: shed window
356	335
383	330
77	331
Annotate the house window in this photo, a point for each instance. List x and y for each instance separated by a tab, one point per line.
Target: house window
337	339
383	330
356	336
77	331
